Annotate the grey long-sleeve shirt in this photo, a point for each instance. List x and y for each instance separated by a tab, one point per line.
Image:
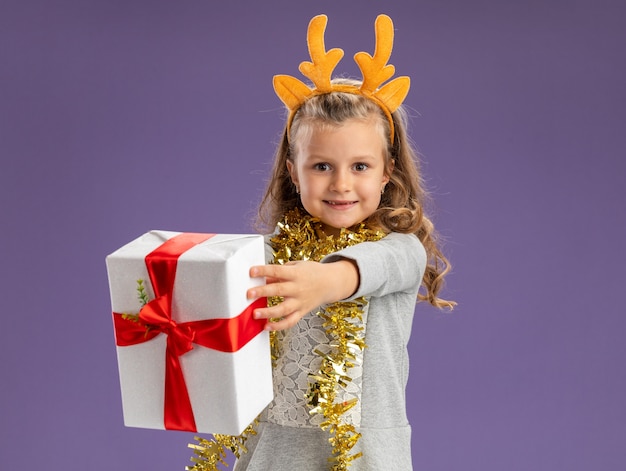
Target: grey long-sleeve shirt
390	272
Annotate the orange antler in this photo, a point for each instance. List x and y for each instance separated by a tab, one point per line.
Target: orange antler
323	63
291	90
376	71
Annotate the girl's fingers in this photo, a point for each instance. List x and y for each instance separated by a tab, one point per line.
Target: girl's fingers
282	324
284	281
280	310
267	271
275	288
279	272
279	319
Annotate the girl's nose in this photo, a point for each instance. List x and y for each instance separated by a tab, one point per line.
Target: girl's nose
341	181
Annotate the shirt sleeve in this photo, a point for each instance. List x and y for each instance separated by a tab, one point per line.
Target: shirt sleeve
396	263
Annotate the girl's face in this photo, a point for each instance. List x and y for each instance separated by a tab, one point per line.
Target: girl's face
340	172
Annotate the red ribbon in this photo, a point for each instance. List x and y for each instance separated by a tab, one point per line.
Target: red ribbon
225	335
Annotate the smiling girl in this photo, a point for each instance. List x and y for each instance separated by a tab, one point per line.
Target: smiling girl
350	249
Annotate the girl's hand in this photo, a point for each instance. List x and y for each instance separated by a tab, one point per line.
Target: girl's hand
304	285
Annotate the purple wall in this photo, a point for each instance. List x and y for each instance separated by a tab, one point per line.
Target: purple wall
117	117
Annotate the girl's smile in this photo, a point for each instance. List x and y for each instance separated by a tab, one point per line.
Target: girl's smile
340	171
341	204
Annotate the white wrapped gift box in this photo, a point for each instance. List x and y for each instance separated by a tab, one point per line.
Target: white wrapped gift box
227	390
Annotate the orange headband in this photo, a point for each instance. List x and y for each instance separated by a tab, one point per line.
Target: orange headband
374	69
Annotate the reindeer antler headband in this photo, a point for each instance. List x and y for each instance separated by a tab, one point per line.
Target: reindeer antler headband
374	69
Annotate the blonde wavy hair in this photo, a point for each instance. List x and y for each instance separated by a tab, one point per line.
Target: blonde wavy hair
402	204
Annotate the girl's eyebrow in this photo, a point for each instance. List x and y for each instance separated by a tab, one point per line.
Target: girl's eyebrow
351	158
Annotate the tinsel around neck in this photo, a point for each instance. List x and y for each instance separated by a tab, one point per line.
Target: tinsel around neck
301	236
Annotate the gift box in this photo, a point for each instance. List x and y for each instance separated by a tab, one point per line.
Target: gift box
190	355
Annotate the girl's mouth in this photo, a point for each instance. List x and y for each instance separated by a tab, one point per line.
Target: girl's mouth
340	204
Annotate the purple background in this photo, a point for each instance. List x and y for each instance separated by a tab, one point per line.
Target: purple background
121	116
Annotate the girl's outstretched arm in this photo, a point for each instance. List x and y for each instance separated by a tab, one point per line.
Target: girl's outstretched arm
305	286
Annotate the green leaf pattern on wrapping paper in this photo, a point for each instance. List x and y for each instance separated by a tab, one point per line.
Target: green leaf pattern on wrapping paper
141	293
143	300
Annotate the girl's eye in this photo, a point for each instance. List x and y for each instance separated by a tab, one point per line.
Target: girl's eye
322	167
360	167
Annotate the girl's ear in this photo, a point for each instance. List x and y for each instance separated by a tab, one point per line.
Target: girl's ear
291	168
387	175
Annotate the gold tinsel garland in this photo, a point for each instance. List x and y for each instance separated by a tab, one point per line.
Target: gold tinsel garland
301	237
209	453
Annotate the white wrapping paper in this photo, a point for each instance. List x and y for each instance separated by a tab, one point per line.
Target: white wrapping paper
227	390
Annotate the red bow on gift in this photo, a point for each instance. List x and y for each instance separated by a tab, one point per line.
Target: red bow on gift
226	335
